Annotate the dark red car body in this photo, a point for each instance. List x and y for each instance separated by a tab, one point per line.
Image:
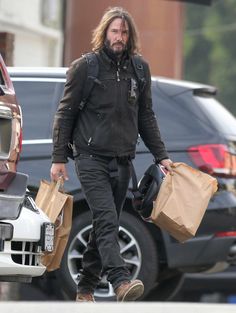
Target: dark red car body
10	128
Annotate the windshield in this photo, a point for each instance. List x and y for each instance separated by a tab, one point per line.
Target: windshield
224	121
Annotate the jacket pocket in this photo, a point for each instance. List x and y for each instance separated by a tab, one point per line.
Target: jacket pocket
96	130
102	96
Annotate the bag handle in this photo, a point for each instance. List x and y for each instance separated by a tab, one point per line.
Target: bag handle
59	185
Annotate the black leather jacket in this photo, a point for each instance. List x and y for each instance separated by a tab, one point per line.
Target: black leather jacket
116	112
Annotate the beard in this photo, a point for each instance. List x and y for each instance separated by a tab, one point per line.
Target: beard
111	48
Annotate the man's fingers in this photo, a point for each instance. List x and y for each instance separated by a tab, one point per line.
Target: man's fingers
58	170
167	163
169	169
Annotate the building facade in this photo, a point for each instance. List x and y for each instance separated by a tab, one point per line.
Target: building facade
55	32
31	32
160	24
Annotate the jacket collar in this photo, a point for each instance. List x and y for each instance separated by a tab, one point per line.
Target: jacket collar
109	62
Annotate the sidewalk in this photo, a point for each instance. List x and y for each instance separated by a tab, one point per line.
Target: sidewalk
137	307
9	291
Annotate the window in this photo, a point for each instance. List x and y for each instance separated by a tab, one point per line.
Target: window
52	13
38	100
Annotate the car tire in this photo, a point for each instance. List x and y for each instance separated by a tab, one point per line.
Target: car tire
137	248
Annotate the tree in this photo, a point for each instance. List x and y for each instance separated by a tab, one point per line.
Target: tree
210	48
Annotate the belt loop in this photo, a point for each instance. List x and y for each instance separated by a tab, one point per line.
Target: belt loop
113	168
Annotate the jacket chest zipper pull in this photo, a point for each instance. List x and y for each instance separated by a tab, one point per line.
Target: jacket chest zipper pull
89	141
118	72
118	75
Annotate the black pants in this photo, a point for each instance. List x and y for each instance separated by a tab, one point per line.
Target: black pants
105	188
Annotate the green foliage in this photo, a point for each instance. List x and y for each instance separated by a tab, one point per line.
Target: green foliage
210	47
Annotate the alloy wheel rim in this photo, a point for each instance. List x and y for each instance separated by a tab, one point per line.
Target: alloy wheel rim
129	248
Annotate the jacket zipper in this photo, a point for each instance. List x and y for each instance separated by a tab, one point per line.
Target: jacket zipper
118	72
118	97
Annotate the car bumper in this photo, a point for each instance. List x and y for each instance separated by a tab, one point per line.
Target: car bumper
201	251
217	282
10	264
21	256
28	226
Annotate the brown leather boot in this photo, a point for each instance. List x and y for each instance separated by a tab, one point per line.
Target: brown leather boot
130	290
84	297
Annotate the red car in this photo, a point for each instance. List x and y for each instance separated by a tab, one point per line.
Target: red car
10	128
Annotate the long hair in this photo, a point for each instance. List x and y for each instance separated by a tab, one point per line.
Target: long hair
99	33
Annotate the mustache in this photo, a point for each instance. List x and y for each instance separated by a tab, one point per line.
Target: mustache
118	42
108	43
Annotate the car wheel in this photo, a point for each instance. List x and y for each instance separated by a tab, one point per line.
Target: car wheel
137	248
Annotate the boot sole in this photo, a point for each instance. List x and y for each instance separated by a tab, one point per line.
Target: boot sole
133	293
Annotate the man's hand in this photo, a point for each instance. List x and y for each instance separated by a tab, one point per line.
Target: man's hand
168	164
58	170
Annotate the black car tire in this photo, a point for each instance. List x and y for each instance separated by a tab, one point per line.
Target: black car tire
141	255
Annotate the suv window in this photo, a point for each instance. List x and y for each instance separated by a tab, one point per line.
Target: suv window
222	118
175	116
180	112
38	111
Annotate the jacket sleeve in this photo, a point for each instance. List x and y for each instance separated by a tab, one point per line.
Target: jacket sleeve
147	123
68	110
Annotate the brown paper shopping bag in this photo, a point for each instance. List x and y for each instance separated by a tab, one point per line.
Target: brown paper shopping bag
182	201
58	207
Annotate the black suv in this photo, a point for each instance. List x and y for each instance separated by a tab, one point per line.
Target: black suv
197	130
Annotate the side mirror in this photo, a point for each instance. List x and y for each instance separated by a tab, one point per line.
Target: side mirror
2	92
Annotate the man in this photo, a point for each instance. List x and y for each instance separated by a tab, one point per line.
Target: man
104	135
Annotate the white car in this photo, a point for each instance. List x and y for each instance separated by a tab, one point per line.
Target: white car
25	233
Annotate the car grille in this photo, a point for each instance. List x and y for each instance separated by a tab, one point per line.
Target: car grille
25	253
